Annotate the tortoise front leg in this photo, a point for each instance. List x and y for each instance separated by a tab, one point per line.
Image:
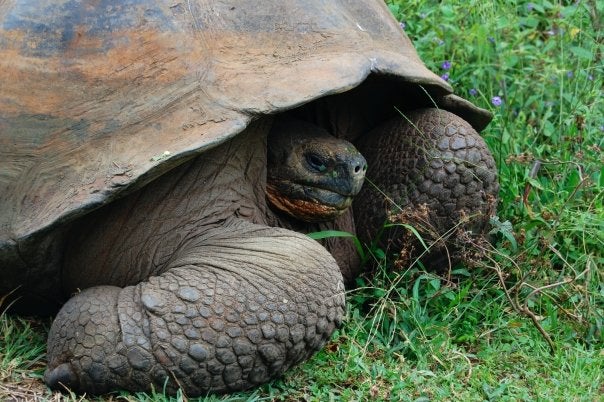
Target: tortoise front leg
429	169
238	306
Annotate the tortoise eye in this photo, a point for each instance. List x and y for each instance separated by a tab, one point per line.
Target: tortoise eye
316	162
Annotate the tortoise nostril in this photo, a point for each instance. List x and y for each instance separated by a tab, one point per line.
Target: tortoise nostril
359	168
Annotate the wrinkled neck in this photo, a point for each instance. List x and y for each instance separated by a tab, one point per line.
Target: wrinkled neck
143	230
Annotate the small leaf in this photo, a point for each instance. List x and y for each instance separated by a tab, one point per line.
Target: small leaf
581	53
435	283
412	230
506	229
529	22
461	271
535	183
324	234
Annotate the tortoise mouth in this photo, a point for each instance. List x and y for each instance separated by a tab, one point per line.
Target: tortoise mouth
307	202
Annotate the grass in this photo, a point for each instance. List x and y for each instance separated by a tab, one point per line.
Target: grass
525	321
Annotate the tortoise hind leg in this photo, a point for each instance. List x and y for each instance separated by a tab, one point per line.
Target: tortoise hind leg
429	169
239	305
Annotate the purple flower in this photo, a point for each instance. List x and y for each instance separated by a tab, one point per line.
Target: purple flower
403	25
491	39
473	91
446	65
445	76
530	6
496	101
569	74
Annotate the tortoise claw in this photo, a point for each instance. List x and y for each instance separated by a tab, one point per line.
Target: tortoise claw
61	377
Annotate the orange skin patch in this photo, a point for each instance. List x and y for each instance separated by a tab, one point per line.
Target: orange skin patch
307	211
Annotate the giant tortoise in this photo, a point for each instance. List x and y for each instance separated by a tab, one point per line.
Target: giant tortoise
161	162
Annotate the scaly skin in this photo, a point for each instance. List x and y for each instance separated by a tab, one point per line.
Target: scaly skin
433	158
233	310
188	286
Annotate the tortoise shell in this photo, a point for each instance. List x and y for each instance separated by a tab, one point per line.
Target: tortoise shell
98	98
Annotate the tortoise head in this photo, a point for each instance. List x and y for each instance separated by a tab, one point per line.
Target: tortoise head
311	175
